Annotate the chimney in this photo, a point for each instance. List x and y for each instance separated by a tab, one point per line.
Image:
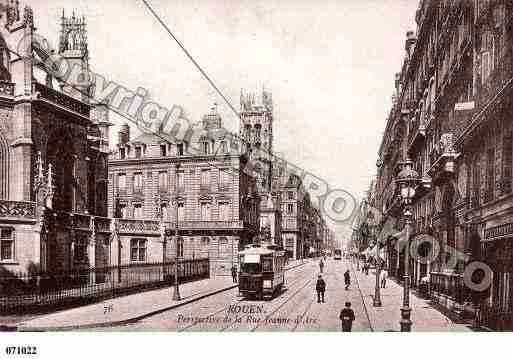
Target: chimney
124	134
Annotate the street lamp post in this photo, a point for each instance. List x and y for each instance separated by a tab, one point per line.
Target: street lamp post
377	295
162	230
372	232
176	291
407	181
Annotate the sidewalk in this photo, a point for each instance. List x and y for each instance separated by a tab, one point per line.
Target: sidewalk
386	318
130	308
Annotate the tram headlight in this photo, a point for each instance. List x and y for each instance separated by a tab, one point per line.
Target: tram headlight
268	284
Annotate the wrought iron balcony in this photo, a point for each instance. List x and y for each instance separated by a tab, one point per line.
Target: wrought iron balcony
442	158
138	226
152	226
17	209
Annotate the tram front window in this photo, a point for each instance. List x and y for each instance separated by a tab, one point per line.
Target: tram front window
251	268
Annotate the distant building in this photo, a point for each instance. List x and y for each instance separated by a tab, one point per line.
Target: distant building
216	202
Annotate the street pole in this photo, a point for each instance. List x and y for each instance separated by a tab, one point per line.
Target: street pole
406	310
176	292
377	295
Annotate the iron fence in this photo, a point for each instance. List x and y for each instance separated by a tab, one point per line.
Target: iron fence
495	318
48	291
450	285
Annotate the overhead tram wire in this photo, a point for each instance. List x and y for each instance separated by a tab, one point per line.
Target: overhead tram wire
200	69
94	101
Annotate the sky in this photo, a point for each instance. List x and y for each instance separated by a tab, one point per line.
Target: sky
329	64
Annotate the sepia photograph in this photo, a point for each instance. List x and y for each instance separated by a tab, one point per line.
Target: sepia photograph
248	166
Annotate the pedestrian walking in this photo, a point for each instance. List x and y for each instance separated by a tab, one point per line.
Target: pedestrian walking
320	287
347	317
321	265
234	273
347	279
383	278
366	268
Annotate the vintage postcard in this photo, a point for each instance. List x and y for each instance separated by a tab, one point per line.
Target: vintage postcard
255	166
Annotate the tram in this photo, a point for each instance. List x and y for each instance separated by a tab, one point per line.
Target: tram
262	271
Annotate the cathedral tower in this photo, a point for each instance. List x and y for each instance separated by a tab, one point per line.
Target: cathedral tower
73	47
256	130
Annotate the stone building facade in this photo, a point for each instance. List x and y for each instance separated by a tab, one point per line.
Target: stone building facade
53	152
214	199
451	115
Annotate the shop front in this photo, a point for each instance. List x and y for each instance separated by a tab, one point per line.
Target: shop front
497	248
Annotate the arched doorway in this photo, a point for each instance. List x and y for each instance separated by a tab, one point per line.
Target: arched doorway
101	187
60	154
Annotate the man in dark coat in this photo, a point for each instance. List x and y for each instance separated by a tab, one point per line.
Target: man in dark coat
320	287
347	279
234	273
347	318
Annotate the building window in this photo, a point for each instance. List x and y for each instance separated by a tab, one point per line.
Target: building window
138	210
122	182
290	208
138	182
122	153
224	147
223	211
123	211
181	180
80	254
138	250
223	240
290	195
179	149
164	211
476	183
490	175
205	241
6	244
507	157
205	178
138	152
163	181
163	150
181	211
224	178
205	211
206	148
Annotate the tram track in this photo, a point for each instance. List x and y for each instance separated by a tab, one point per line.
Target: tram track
300	319
361	296
282	304
297	278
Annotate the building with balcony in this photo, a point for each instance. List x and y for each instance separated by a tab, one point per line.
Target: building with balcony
201	184
450	115
294	199
53	154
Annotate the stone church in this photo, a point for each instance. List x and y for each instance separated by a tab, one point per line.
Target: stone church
53	153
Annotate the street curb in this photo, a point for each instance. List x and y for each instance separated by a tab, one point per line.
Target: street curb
130	320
